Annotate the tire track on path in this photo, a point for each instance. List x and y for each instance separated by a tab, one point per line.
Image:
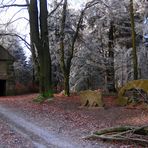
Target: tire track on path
39	136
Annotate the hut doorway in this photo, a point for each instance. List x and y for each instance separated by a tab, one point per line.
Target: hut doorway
2	87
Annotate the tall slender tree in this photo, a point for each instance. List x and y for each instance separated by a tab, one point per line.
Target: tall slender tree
134	50
66	62
35	62
62	57
110	69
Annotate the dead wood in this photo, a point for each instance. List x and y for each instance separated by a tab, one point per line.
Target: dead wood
123	133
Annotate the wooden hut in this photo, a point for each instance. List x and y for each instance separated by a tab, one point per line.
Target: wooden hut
6	73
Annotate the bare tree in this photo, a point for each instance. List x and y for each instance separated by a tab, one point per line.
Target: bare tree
134	51
39	39
66	62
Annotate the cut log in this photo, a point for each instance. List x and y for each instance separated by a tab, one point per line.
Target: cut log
91	98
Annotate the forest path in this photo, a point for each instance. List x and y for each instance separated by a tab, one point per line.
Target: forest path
61	122
38	135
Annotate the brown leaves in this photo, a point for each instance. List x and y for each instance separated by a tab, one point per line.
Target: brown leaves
64	115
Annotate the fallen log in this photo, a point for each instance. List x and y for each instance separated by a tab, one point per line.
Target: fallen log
136	134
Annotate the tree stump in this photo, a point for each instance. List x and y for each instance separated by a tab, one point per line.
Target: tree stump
91	98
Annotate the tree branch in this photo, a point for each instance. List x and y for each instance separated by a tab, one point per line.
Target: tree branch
16	35
55	8
123	133
10	22
14	5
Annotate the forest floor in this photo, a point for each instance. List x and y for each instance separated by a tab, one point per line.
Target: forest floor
62	122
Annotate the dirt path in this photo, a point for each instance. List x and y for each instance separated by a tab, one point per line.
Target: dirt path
38	136
62	122
39	125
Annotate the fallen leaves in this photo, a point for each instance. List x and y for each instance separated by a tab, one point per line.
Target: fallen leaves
64	115
10	138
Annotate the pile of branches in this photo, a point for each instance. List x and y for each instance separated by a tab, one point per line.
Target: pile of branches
132	134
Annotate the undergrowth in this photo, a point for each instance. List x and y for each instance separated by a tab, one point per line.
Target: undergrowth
44	96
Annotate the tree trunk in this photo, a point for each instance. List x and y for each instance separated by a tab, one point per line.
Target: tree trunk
62	59
66	84
134	51
39	39
45	46
110	69
35	61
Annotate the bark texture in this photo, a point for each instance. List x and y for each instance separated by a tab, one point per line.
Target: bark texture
134	51
39	39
